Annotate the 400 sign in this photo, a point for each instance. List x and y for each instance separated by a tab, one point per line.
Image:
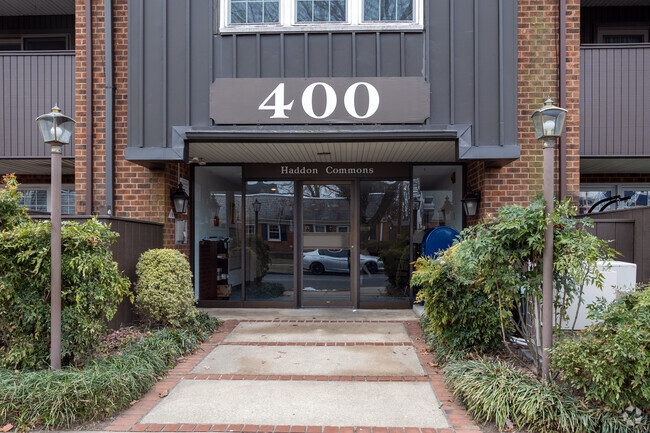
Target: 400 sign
319	100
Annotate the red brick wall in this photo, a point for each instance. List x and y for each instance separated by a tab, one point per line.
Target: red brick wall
521	180
139	193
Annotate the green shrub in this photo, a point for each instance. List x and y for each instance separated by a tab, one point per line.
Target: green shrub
91	291
164	292
610	361
58	399
462	314
495	391
11	213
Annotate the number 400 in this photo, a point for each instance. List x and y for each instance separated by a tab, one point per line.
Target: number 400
279	107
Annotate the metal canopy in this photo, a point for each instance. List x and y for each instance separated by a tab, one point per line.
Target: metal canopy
384	151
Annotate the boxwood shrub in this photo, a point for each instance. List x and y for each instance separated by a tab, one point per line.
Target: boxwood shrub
164	291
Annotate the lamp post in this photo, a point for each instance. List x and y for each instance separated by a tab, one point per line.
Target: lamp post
548	122
256	207
56	129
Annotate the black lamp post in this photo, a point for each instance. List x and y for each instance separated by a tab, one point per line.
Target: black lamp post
179	198
56	129
548	122
256	207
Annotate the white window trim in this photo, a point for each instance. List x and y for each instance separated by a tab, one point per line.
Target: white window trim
44	187
268	233
289	22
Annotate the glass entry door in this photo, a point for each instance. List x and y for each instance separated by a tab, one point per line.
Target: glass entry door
328	252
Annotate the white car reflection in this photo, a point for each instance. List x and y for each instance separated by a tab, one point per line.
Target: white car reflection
322	260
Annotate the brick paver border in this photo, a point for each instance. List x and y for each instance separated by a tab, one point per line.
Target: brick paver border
456	414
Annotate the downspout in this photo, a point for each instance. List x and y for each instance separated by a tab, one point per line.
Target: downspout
108	53
562	96
89	110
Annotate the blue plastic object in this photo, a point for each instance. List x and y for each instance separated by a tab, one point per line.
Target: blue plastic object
437	239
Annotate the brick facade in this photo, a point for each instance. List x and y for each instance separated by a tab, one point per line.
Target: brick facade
521	180
139	193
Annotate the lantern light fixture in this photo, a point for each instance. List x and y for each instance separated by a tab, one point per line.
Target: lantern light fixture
471	202
179	199
549	122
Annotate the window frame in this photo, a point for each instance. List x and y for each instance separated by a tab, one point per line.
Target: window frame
621	31
289	20
268	233
48	189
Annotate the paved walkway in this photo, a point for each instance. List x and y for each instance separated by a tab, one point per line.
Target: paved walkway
304	371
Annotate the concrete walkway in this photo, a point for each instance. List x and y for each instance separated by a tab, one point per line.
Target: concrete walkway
304	371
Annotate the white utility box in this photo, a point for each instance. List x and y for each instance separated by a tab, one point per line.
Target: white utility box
619	278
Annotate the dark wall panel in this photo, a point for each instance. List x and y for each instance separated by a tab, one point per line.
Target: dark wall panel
318	54
271	51
30	85
342	55
467	51
390	52
294	55
614	119
366	51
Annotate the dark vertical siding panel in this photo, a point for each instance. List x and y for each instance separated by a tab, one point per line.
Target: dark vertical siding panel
413	54
318	55
488	78
342	55
200	70
246	52
270	49
464	64
176	70
223	56
439	58
366	55
153	73
390	54
643	107
31	84
294	55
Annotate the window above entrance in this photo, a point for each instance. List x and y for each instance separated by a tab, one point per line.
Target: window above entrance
241	16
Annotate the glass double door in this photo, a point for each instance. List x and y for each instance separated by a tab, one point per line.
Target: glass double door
329	255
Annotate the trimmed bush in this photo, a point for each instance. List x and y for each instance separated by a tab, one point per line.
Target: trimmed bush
91	291
610	361
58	399
461	313
164	292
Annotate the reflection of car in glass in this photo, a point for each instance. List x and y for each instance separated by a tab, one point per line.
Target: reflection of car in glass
322	260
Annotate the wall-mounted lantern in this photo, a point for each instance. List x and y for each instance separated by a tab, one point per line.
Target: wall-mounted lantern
179	199
471	201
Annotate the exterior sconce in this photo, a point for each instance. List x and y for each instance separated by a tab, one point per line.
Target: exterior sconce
471	201
179	199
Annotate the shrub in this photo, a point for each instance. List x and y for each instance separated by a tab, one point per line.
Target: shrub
57	399
11	213
461	313
495	391
610	361
164	292
91	291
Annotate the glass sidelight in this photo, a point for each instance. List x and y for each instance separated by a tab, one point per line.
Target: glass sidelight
328	260
269	241
384	233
